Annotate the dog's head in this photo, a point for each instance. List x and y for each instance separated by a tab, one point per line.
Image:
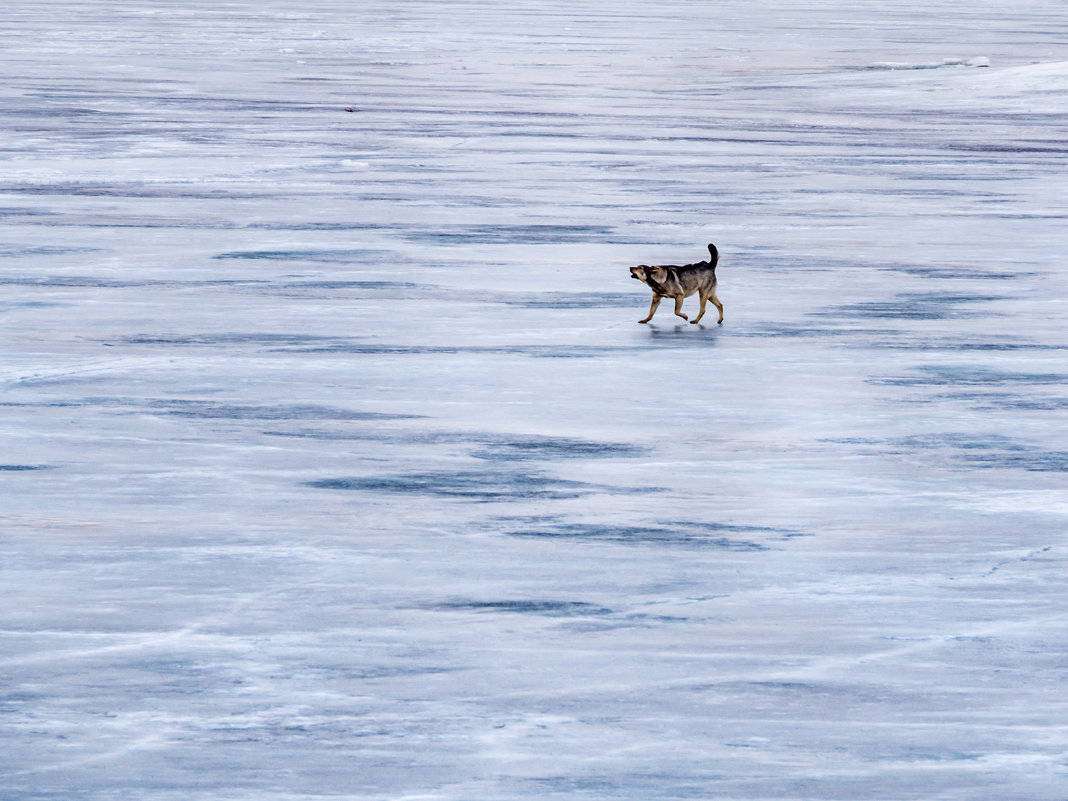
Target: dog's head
643	272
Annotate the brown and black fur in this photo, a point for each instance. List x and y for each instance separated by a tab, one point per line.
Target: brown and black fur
671	281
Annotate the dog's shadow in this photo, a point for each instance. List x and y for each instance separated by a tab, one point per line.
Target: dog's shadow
680	330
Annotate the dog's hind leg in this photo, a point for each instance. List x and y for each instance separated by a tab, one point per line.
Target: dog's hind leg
717	304
678	307
652	309
701	310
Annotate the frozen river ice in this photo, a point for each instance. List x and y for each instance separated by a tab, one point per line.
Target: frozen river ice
336	465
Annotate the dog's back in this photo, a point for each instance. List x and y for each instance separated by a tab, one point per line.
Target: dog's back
691	278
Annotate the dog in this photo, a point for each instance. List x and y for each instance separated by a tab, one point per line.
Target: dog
671	281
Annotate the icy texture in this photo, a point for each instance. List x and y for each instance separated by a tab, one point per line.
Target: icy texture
336	465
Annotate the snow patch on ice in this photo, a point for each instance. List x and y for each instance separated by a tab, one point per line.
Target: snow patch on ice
975	61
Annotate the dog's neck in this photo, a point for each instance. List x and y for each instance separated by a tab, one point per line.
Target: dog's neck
656	285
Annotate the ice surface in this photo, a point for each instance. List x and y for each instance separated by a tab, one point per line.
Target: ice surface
336	465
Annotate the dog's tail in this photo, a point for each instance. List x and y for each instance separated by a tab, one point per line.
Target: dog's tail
713	255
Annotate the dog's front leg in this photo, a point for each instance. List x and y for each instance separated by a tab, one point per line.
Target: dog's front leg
678	307
652	309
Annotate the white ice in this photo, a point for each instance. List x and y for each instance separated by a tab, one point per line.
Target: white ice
336	464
